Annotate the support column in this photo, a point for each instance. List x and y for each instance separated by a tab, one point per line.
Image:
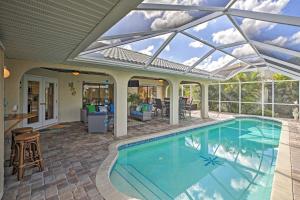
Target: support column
204	99
1	122
120	98
174	102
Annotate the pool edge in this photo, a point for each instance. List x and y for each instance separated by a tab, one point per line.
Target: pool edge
282	173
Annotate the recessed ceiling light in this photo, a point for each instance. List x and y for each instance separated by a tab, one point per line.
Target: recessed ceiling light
75	73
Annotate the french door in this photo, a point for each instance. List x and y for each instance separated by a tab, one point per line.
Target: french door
40	96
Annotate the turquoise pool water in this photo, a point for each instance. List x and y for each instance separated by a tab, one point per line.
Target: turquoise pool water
229	160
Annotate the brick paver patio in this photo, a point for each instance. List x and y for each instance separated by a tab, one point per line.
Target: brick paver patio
72	157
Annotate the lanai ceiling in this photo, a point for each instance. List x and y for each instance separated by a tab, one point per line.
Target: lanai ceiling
204	38
51	30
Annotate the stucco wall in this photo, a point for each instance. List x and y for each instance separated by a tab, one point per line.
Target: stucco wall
1	123
120	75
69	105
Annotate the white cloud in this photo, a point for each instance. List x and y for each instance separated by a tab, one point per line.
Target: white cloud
239	184
180	2
190	61
163	37
210	65
227	36
150	14
148	50
200	27
196	44
244	50
127	46
171	20
281	40
249	26
108	42
269	6
167	48
295	39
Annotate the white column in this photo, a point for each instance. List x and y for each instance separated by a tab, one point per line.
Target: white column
182	92
204	99
273	89
262	98
120	96
1	122
240	97
219	96
174	101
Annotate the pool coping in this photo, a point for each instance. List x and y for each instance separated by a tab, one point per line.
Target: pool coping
282	181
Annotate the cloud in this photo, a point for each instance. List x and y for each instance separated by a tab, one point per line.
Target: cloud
269	6
150	14
163	37
127	46
178	2
148	50
295	39
167	48
244	50
280	41
250	27
190	61
171	20
196	44
239	184
227	36
200	27
211	65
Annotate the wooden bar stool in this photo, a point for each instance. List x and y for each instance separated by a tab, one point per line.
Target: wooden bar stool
14	133
27	147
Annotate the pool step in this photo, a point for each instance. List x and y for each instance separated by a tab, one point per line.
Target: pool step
143	186
154	188
124	186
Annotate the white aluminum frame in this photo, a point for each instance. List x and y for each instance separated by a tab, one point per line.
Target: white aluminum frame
262	102
215	13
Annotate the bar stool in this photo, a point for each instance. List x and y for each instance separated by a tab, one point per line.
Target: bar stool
14	133
27	147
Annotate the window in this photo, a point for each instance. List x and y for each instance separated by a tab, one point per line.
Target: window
97	94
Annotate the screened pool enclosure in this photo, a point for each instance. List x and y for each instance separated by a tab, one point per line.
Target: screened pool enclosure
270	97
213	39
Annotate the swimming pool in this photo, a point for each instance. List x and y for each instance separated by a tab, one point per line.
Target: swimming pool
229	160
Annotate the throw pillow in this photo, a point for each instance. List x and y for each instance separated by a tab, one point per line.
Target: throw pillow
91	108
145	108
138	108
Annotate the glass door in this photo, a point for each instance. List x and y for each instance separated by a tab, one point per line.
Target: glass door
50	103
40	99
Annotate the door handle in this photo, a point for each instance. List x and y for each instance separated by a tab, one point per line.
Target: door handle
42	104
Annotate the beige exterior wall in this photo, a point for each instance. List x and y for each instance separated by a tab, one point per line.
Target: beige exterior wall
68	105
1	123
120	76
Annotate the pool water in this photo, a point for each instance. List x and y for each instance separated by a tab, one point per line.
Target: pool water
228	160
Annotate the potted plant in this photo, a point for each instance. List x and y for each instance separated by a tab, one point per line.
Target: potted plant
133	100
296	113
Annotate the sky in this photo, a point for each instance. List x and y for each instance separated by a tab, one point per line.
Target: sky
220	31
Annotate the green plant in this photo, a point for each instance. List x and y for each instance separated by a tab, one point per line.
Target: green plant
134	99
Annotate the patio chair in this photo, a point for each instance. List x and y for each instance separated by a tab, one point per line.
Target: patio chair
158	107
182	106
188	107
167	107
